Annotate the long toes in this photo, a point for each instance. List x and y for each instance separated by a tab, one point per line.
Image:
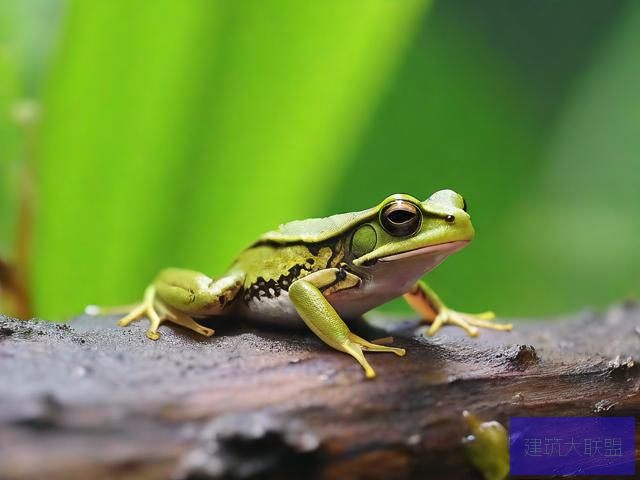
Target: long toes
466	326
134	314
478	322
126	321
436	325
466	322
497	326
502	326
398	351
486	315
382	349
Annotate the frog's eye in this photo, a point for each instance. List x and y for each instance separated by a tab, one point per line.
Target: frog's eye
401	218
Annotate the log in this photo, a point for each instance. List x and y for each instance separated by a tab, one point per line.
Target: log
92	400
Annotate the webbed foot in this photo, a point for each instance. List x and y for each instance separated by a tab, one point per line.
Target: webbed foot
469	322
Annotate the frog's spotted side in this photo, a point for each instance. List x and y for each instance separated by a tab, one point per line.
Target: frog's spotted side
321	271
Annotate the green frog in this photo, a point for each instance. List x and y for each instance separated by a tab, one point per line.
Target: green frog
326	271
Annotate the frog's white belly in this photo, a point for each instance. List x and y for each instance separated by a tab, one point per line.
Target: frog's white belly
388	280
272	310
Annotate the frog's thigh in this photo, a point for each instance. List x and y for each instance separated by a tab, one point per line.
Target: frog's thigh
424	301
324	321
195	293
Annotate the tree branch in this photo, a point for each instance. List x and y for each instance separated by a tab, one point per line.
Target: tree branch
92	400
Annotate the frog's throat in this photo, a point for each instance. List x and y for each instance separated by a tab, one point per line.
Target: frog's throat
440	248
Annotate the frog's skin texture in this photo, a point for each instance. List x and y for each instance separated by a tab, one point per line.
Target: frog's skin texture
328	270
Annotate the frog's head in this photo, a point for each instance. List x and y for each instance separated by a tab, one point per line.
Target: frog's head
408	230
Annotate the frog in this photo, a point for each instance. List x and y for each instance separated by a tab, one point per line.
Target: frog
326	272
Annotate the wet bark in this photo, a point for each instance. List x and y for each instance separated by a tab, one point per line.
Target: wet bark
90	400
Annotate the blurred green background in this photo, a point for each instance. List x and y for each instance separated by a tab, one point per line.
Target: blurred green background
175	132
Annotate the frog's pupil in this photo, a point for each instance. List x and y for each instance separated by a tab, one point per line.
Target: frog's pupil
400	216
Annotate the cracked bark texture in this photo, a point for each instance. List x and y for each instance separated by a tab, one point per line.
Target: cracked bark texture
91	400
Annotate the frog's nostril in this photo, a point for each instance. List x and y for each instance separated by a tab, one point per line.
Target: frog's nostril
449	219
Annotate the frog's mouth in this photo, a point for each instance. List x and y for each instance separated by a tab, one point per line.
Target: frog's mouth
441	248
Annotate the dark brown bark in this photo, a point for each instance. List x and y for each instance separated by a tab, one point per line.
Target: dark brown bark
91	400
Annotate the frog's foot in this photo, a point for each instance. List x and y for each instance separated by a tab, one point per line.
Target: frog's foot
157	312
426	303
469	322
375	347
355	345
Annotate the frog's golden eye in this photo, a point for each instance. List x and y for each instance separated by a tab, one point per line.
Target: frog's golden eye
401	218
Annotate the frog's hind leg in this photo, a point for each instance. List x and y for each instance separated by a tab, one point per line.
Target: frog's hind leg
433	310
177	294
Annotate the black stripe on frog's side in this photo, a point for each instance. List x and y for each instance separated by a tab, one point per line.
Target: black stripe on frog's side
262	288
272	288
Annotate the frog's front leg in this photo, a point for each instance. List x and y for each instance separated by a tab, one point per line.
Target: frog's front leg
316	311
433	310
176	295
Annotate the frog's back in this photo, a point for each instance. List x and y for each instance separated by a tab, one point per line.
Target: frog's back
314	230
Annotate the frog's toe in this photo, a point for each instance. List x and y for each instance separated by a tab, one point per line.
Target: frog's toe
196	327
133	315
463	321
145	309
207	332
440	321
185	320
153	335
484	322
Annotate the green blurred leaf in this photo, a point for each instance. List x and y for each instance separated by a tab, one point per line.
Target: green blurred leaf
554	204
582	221
8	130
176	132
